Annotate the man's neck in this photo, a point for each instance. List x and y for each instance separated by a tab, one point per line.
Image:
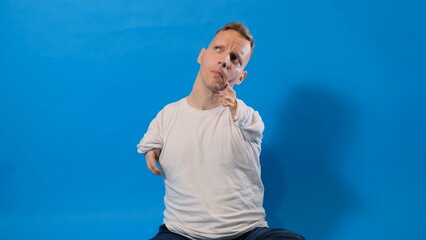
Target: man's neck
202	98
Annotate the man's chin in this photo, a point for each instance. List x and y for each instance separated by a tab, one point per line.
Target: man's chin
218	87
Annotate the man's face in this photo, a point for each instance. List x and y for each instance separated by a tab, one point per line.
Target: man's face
224	60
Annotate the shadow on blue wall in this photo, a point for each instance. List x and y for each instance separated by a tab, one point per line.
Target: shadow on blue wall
304	190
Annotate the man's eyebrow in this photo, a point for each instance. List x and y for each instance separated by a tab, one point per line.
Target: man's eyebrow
218	44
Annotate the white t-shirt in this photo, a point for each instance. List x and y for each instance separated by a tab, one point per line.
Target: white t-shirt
211	169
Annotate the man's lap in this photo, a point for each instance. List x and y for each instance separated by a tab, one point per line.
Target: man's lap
261	233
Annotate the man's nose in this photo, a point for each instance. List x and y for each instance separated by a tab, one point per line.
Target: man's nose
224	62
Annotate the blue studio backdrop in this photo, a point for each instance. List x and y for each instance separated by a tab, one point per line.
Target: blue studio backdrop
340	86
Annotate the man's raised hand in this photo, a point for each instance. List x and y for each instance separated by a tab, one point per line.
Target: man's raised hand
227	98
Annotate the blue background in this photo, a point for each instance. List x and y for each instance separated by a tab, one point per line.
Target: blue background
340	86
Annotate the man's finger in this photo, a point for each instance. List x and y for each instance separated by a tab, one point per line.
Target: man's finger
153	167
228	91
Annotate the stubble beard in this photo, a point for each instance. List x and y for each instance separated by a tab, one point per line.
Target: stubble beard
219	85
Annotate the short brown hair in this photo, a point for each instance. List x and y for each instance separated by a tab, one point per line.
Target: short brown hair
240	28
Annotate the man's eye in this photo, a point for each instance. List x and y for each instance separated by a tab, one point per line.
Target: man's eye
234	58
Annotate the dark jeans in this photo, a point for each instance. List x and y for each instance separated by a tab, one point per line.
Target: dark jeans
261	233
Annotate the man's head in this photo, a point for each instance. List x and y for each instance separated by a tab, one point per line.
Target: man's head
227	55
241	29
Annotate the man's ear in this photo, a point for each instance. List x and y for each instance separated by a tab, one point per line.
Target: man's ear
200	55
241	79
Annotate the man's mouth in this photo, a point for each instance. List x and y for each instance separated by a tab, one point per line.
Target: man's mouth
217	74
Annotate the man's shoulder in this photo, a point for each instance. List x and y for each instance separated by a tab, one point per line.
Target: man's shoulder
174	105
243	105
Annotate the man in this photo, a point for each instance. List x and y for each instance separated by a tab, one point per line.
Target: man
208	146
